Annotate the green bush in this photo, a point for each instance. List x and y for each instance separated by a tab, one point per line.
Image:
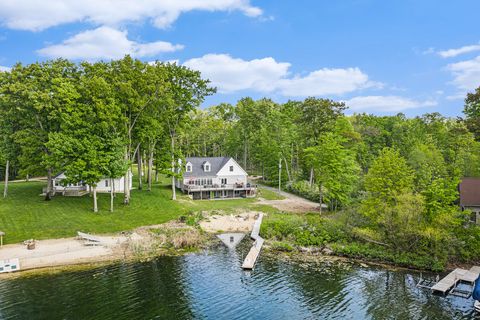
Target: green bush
282	246
303	189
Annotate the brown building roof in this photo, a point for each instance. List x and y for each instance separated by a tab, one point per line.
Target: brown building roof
469	190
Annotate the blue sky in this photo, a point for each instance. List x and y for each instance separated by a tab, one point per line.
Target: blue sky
381	57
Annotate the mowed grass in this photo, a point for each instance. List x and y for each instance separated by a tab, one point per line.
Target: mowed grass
24	214
269	195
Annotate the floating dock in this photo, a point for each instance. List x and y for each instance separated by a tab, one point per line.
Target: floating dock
254	252
449	283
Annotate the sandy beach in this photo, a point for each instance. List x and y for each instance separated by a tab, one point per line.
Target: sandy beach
65	251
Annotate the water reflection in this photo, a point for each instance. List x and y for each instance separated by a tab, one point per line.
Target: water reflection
212	285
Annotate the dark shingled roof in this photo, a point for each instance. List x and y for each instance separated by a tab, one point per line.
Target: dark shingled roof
469	192
216	163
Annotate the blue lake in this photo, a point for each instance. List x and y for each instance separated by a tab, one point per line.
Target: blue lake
211	285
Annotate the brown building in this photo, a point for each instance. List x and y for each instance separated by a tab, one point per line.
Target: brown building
469	190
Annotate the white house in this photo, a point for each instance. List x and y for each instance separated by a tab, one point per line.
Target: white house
79	189
214	178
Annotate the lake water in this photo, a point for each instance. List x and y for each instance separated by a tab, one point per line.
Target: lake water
211	285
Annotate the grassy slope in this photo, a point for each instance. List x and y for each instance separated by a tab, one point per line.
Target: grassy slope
24	214
269	195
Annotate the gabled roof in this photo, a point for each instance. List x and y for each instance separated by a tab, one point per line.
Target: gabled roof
216	163
469	190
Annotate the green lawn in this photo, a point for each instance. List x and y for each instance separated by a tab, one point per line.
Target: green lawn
269	195
24	214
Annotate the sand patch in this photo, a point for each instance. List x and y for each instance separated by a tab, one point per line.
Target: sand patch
241	222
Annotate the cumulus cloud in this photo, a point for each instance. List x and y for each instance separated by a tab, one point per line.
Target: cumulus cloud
5	69
230	74
466	74
266	75
105	43
325	81
450	53
386	103
37	15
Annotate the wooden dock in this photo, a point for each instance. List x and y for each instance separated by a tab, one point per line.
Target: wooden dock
450	282
254	252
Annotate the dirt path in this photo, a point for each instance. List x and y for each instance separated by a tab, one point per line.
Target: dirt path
291	203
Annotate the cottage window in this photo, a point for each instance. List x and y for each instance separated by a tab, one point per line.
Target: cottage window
224	180
207	168
106	183
189	168
231	168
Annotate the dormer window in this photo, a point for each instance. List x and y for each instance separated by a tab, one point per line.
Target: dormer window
206	166
188	167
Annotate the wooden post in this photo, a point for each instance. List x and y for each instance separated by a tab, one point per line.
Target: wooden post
5	187
279	175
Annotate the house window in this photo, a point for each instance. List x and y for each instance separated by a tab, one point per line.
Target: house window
207	168
231	168
106	183
224	180
189	168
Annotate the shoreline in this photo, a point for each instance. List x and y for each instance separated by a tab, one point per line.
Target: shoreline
149	242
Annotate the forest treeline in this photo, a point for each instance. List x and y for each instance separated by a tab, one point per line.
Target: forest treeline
390	181
92	120
394	179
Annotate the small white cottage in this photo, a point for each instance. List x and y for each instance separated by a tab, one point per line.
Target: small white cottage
214	178
104	185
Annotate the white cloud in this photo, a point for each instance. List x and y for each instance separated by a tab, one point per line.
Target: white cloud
325	81
105	43
5	69
466	74
230	74
265	75
386	103
37	15
458	51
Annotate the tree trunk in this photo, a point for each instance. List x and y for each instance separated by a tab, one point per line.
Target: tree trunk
144	159
245	152
174	191
286	168
140	169
320	192
48	193
311	177
150	169
5	187
279	175
112	193
126	183
204	147
95	206
156	174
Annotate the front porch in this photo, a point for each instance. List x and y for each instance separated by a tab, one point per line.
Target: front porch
213	192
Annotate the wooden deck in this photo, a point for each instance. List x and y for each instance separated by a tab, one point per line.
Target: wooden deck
252	256
453	278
